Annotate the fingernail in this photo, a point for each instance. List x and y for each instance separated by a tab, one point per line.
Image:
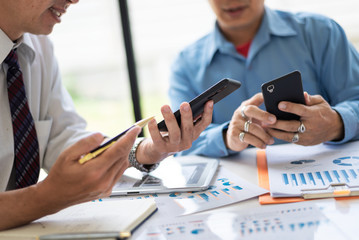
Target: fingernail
282	106
271	141
210	104
271	119
186	108
166	109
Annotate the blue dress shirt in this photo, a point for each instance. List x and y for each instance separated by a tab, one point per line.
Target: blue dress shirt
313	44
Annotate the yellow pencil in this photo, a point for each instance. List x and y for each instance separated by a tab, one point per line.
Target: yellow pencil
97	151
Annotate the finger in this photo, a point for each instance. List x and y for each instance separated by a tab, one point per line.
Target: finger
120	149
307	98
154	131
113	175
233	140
205	120
172	126
83	146
104	184
314	100
295	108
186	125
287	126
256	136
120	171
258	132
256	100
254	141
285	136
253	112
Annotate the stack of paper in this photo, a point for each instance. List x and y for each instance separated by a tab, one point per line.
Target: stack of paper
313	171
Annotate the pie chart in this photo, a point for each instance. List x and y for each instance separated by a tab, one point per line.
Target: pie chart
346	161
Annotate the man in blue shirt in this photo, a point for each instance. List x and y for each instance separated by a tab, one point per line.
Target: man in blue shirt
255	44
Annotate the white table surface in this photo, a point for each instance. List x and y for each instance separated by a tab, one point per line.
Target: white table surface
243	164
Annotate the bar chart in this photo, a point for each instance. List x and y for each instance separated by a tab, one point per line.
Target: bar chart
276	222
321	178
293	169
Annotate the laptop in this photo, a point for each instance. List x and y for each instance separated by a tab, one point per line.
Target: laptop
175	174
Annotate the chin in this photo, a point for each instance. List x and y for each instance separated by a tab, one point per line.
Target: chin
43	30
47	31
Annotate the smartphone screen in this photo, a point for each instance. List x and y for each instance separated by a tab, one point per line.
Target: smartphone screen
286	88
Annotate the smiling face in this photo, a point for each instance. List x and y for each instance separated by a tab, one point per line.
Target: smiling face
235	16
33	16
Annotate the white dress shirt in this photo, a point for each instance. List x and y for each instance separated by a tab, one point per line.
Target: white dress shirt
57	123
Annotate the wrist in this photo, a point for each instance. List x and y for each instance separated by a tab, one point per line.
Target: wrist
133	158
339	133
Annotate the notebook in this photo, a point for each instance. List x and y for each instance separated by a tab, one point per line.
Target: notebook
96	216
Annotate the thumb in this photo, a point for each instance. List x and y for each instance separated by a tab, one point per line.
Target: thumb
83	146
124	144
256	100
307	98
311	100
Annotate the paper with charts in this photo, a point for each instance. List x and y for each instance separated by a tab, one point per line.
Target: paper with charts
295	169
296	221
227	188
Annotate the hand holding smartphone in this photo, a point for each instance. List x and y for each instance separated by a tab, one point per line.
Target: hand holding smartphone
216	93
286	88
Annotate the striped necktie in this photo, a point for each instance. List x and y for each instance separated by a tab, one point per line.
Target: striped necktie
26	146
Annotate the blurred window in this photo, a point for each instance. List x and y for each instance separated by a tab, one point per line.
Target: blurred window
89	47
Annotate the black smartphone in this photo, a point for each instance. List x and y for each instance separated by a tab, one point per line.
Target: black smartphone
216	93
286	88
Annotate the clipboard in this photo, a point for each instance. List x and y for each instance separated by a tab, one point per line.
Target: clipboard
333	190
340	191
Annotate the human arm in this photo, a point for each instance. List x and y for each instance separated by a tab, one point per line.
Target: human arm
334	105
68	182
337	69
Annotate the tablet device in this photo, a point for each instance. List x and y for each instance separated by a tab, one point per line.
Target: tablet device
216	93
176	174
286	88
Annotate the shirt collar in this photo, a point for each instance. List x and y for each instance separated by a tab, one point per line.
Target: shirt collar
24	46
6	45
272	24
217	42
277	25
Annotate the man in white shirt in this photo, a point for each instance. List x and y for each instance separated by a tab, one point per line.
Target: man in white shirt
60	130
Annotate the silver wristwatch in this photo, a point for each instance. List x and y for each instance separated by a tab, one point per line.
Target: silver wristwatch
133	161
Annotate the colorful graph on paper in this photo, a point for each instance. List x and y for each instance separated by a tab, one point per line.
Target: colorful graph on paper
290	221
227	188
292	168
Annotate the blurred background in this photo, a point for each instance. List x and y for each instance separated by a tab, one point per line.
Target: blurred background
90	50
